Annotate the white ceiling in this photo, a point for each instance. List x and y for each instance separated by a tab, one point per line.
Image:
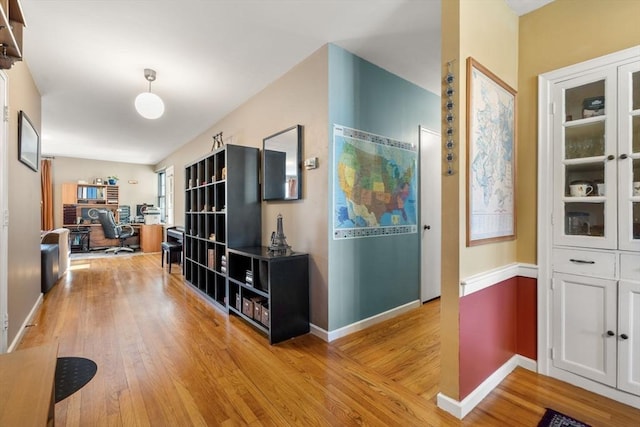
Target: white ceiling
87	59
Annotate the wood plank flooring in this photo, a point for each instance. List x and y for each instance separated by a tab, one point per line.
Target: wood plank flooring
166	357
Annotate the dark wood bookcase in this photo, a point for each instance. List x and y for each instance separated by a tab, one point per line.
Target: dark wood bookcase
279	285
222	211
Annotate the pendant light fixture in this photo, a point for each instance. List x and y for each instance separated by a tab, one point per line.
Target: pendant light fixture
149	105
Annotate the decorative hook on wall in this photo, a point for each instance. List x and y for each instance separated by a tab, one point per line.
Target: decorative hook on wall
217	141
449	91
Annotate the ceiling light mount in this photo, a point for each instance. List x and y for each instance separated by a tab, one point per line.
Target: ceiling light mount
149	74
149	105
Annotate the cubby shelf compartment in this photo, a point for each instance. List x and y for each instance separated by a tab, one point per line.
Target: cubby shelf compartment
280	283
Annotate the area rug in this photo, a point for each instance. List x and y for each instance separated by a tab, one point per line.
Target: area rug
102	254
72	373
552	418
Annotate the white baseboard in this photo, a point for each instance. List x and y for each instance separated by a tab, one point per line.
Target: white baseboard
489	278
23	327
329	336
461	409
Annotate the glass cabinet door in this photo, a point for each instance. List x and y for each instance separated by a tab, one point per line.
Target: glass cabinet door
629	156
585	167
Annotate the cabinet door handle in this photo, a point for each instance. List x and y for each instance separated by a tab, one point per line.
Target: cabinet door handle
624	336
610	333
623	156
581	261
611	157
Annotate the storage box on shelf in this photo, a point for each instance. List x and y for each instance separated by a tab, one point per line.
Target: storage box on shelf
222	209
276	299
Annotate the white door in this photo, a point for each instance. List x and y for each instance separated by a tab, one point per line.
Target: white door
629	336
4	218
430	208
584	326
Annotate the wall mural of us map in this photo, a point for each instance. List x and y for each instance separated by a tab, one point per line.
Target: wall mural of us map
375	185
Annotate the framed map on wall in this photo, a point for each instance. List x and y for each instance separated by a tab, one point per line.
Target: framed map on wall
491	168
375	185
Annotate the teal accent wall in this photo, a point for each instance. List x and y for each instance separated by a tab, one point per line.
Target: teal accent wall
368	276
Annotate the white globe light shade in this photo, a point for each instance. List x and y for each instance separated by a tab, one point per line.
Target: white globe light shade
149	105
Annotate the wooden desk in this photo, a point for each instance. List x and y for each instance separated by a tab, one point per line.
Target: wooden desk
26	386
151	237
148	237
97	239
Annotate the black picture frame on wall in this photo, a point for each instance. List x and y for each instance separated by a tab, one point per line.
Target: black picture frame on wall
28	142
282	165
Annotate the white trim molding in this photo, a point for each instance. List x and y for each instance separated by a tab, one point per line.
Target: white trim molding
27	321
461	409
329	336
489	278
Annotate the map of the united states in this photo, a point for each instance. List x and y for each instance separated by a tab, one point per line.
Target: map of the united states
376	185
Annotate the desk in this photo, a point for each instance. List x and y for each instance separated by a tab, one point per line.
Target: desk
26	386
97	239
147	237
151	237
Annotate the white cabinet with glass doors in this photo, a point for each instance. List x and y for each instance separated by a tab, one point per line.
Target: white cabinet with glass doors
596	133
589	225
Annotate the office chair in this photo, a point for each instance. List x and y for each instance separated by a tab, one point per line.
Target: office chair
115	231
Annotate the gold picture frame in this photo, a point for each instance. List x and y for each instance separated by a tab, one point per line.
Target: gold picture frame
491	157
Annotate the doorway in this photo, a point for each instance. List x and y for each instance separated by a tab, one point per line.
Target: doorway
430	208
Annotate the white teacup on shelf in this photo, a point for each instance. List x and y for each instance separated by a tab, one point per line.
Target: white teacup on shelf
636	188
580	190
600	187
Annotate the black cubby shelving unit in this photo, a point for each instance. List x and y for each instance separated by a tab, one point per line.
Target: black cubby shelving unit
279	284
222	211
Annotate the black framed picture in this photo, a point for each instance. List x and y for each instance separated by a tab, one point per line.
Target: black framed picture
28	142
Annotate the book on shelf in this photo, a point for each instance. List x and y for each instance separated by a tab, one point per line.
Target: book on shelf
211	258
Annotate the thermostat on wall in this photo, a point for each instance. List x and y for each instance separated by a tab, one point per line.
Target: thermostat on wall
311	163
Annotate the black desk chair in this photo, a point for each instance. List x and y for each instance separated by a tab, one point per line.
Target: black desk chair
115	231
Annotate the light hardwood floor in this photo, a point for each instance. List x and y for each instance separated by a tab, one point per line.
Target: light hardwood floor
166	357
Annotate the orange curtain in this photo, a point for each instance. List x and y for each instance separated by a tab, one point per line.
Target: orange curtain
47	195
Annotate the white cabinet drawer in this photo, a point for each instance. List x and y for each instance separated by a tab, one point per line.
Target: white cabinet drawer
630	266
585	263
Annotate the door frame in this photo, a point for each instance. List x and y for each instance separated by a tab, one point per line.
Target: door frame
4	215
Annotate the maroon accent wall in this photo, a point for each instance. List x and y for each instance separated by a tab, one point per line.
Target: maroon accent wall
527	338
495	324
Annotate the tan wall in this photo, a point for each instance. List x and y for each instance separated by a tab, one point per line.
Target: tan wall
486	30
489	34
298	97
553	37
449	322
68	169
24	204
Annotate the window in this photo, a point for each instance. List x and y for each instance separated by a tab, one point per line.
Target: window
162	195
165	195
